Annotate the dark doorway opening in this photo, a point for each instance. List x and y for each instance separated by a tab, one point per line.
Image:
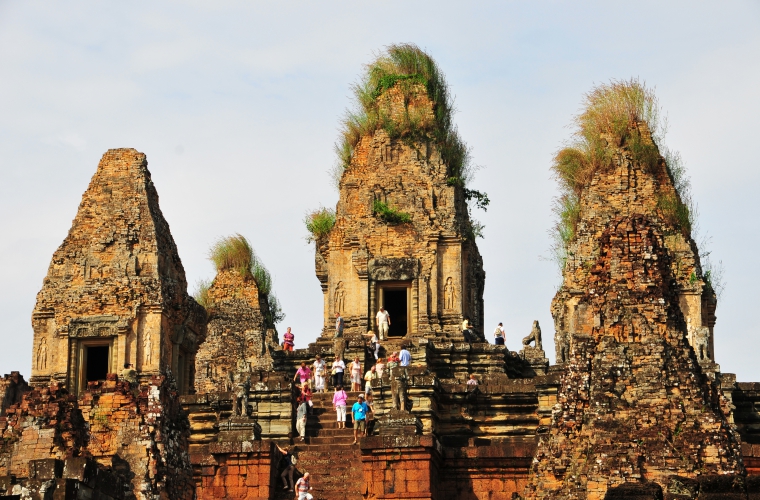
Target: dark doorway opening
394	301
97	363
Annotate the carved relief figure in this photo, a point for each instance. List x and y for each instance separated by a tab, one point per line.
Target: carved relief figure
42	355
340	296
147	349
449	293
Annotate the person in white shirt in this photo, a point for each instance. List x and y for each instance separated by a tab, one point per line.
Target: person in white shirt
319	369
499	335
338	367
383	322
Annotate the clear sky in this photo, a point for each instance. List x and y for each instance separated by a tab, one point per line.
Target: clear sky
237	106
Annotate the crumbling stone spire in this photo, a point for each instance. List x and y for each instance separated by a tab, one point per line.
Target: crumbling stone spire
115	291
402	236
638	399
237	330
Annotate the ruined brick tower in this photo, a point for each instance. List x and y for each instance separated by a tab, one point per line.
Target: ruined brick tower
240	328
403	238
638	399
115	294
116	291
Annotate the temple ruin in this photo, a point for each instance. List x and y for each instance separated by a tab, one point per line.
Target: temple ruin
138	391
426	272
115	291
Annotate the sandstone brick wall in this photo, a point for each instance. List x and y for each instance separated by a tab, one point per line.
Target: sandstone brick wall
625	189
138	432
12	388
242	470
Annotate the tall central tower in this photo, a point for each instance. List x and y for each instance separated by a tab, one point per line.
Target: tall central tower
403	238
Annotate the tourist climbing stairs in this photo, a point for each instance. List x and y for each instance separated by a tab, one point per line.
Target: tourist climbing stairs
328	455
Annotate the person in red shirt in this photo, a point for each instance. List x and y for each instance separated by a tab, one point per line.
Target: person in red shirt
306	395
287	345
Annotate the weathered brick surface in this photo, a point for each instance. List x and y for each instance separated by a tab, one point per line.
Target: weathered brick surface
12	388
625	189
138	432
244	471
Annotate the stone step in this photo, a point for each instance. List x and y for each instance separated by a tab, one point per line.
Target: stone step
327	432
326	448
330	439
327	423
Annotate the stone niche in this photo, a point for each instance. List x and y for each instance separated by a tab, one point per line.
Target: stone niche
427	273
115	291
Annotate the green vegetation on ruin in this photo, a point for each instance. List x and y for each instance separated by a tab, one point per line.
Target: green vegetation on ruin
319	223
201	294
390	214
408	67
411	70
623	113
236	254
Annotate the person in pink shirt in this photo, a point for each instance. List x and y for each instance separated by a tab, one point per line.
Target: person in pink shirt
339	403
303	374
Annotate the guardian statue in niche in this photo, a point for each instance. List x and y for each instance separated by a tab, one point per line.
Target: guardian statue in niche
42	355
340	297
449	293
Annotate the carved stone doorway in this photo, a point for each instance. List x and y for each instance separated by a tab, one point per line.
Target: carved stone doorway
395	298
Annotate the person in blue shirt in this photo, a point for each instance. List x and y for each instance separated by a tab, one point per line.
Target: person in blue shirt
359	411
404	356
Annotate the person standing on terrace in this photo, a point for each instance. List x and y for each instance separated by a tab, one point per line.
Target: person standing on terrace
287	344
338	367
338	325
499	335
404	356
319	374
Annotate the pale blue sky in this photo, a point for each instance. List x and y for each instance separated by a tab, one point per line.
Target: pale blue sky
237	106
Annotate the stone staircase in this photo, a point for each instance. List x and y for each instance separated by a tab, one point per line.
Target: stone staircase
333	463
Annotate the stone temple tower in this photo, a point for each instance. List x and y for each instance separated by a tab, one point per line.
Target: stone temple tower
639	401
115	291
403	238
